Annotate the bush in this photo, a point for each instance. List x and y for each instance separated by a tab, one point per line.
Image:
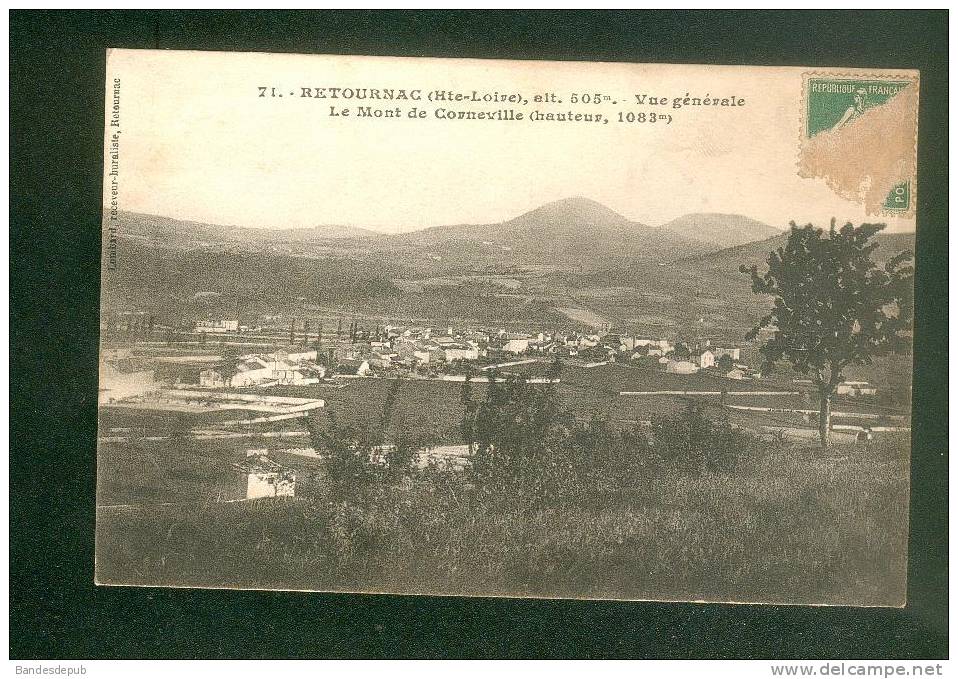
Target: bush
348	452
529	452
608	461
695	444
516	434
356	457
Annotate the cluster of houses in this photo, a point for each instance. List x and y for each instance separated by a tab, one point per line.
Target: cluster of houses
432	351
217	326
362	352
291	366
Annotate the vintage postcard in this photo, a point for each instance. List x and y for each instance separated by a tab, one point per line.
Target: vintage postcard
506	328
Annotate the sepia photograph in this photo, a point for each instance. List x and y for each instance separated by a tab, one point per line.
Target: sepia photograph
534	329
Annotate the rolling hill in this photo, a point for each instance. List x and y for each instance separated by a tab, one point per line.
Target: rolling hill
721	230
574	233
704	292
755	253
185	234
573	254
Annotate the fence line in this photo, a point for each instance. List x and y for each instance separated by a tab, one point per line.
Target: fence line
709	393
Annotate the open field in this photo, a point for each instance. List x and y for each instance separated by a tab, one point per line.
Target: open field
793	526
788	524
432	409
584	316
184	470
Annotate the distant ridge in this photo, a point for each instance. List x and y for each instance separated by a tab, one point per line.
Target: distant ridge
182	232
571	253
756	253
721	230
572	232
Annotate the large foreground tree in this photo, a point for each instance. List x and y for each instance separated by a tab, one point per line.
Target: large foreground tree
834	305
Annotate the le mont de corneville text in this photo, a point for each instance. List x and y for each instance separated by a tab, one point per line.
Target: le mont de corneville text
592	107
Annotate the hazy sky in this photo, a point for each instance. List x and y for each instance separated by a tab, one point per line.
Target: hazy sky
197	142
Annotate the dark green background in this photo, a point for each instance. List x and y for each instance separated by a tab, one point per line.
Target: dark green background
56	92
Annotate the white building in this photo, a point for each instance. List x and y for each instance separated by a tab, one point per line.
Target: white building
210	377
850	388
260	476
222	325
706	359
285	372
379	359
250	371
358	367
681	367
734	353
295	354
461	353
655	347
277	368
516	346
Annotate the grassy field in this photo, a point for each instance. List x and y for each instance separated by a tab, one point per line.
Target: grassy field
789	523
146	473
791	526
185	470
433	409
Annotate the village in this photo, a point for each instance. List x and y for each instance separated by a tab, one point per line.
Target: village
247	388
448	352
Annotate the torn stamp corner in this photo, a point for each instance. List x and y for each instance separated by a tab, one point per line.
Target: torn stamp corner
859	134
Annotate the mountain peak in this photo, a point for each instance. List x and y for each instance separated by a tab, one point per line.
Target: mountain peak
577	209
577	202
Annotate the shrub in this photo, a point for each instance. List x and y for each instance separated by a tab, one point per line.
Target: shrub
529	452
348	452
695	444
516	434
608	461
357	458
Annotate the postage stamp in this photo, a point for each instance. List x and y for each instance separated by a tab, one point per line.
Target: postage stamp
835	102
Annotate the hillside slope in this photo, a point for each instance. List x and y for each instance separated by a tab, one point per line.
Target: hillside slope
185	234
722	230
704	293
756	253
574	233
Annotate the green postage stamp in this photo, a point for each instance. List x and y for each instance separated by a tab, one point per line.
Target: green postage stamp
836	102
